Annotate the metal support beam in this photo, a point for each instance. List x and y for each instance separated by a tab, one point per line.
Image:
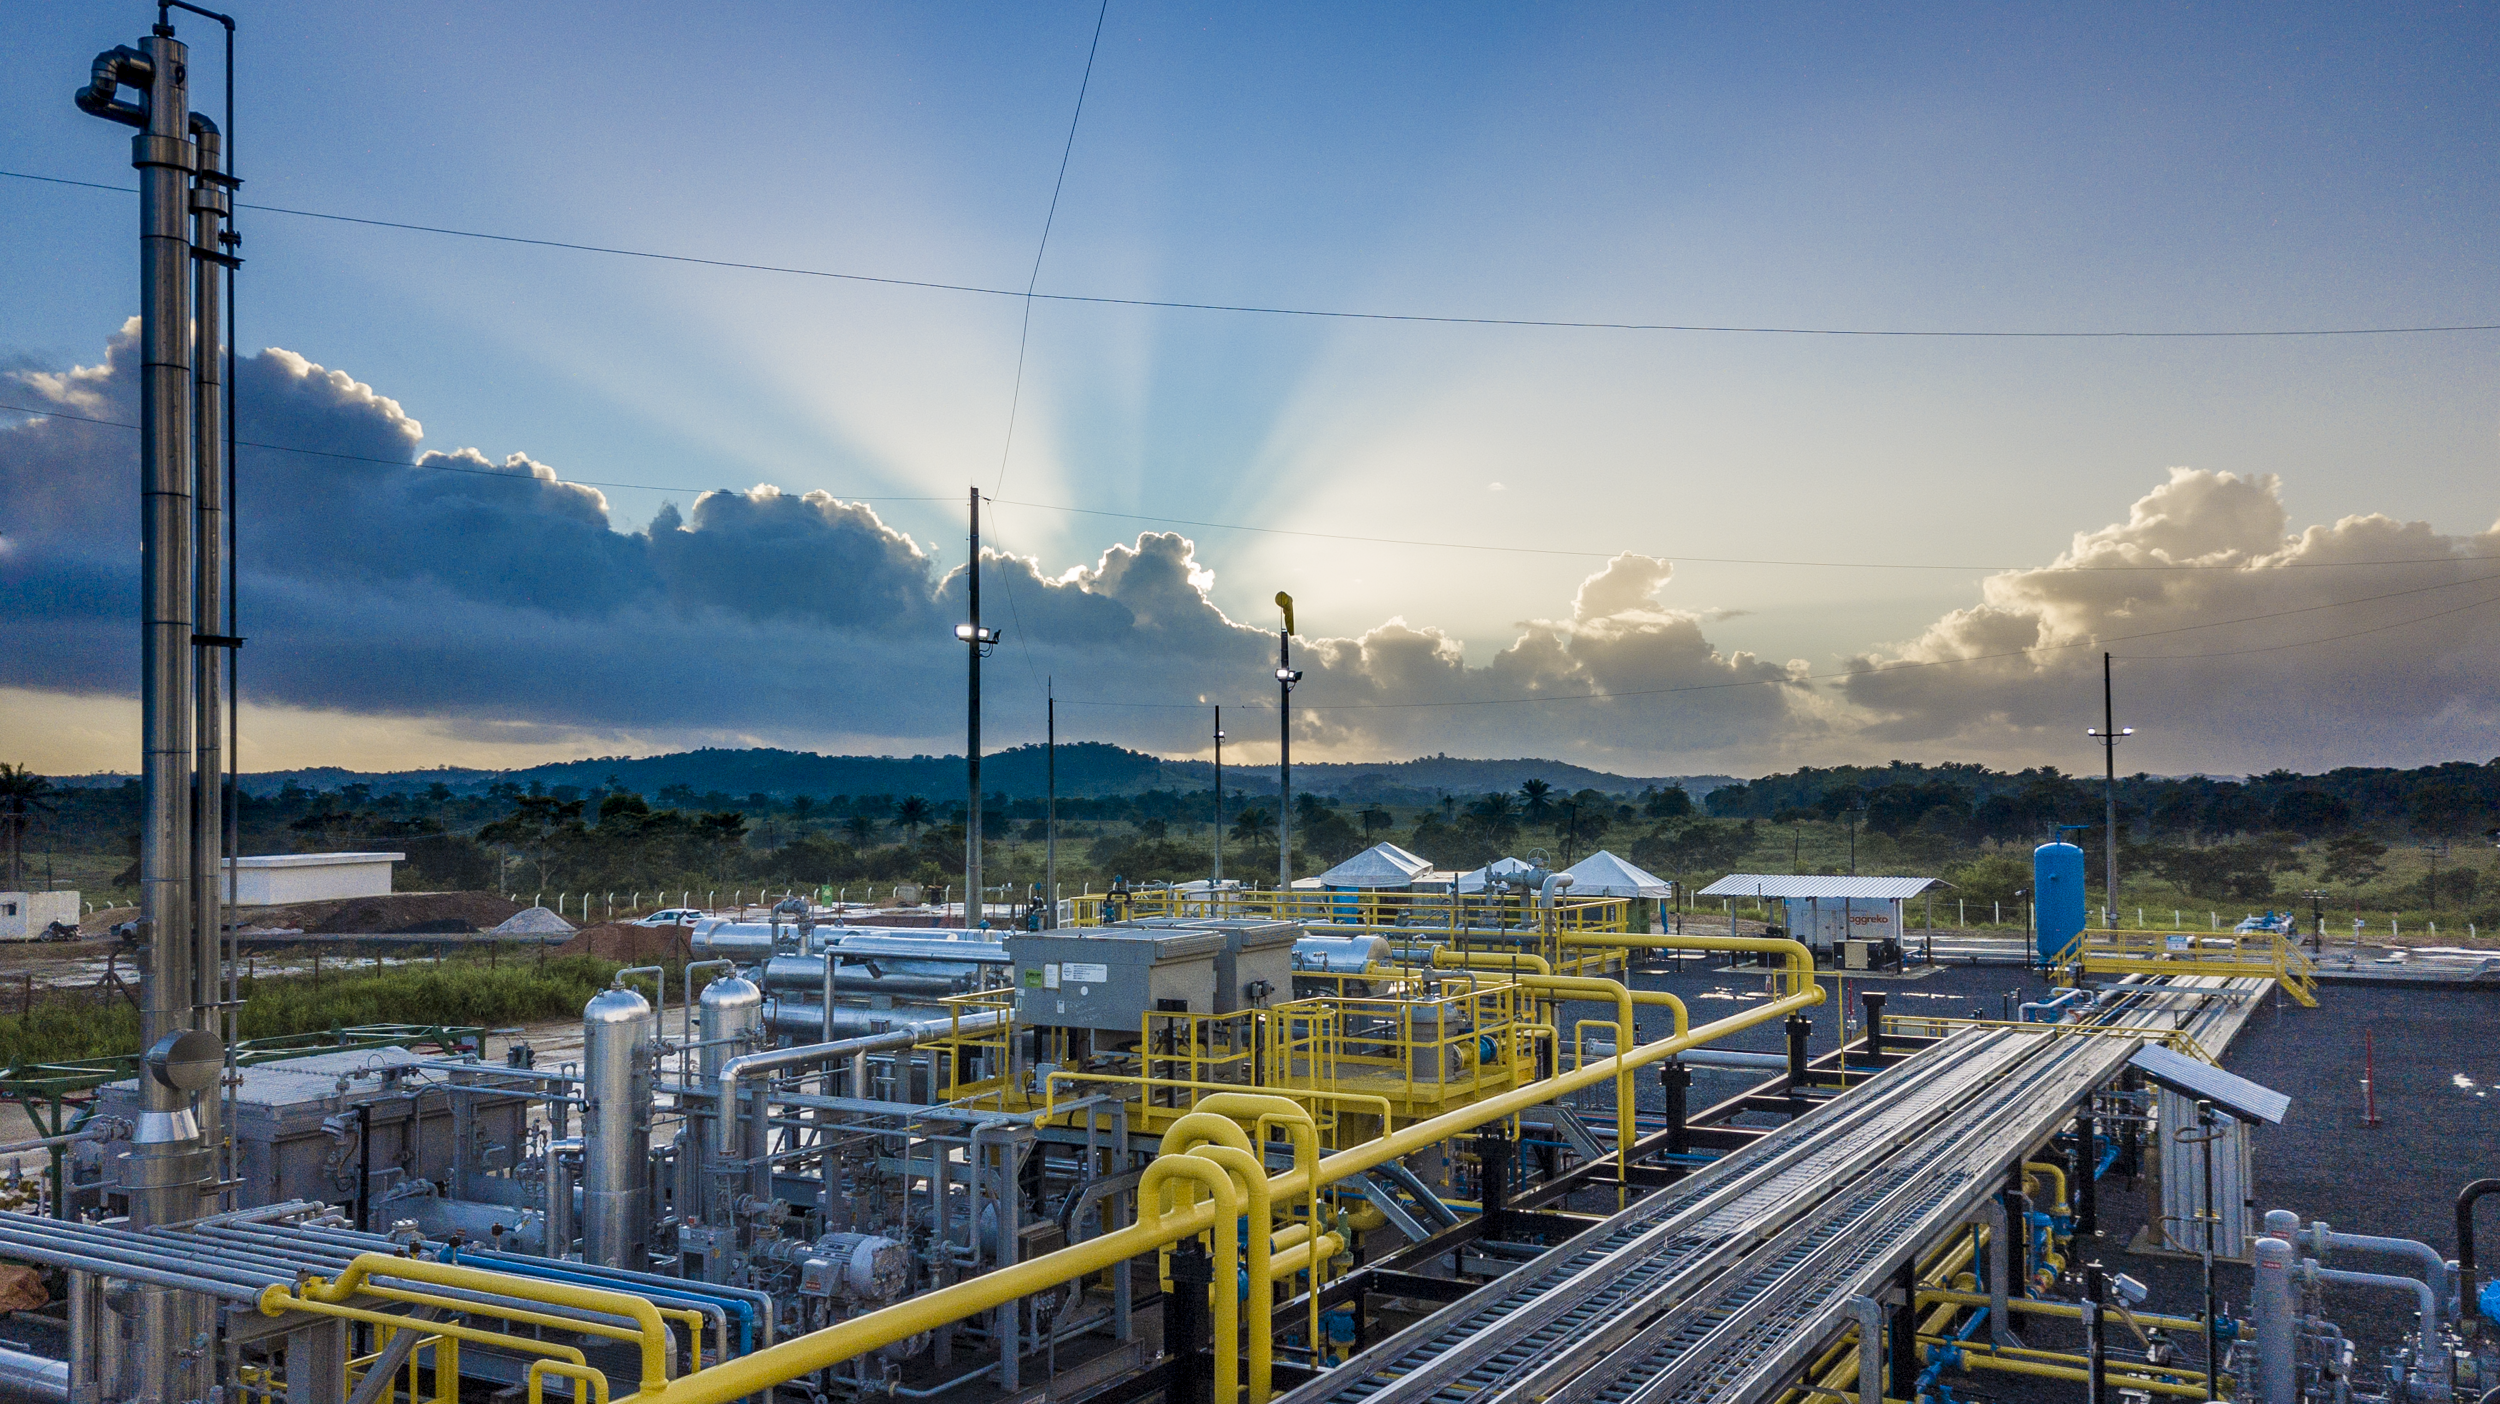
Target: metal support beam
1185	1322
1903	1356
2086	1177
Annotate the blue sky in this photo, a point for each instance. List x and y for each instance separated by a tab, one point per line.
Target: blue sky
2178	168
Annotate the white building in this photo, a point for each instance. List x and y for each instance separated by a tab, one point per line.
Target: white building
281	878
24	915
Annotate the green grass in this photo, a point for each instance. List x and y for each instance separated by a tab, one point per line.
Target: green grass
467	991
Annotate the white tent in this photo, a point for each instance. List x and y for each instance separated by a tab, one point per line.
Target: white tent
1602	874
1381	865
1474	881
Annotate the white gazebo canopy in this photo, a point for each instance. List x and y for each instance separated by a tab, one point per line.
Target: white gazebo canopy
1381	865
1602	874
1475	880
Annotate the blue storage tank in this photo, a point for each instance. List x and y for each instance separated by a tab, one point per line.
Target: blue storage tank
2057	886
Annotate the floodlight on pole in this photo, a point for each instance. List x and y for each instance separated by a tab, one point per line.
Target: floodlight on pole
1286	677
2109	734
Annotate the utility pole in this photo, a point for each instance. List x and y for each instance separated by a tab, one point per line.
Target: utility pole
980	640
1050	804
1286	677
1219	806
2109	734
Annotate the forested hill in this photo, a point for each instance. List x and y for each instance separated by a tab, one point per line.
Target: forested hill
2440	801
1084	769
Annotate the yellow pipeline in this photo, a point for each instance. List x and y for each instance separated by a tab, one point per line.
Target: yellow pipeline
1973	1356
1627	1031
2054	1173
1158	1224
787	1360
1261	1326
1799	966
2033	1306
1296	1257
275	1300
656	1344
1370	1101
2077	1358
1270	1110
1518	963
539	1369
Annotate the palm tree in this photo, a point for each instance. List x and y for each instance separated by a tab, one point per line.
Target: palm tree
913	815
1375	817
23	795
1536	800
861	829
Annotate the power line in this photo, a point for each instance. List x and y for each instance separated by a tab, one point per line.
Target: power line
2305	643
1024	330
1420	543
1336	314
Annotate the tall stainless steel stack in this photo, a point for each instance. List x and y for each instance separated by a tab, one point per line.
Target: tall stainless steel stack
160	1347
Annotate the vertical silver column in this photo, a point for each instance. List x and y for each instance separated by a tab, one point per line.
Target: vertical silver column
169	1336
618	1034
2270	1321
163	153
209	883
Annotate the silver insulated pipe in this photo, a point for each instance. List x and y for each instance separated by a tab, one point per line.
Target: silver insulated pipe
619	1036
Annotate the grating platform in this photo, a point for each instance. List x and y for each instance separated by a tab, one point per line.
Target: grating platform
1717	1288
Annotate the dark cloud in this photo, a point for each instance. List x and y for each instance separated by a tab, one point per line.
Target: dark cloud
501	597
501	594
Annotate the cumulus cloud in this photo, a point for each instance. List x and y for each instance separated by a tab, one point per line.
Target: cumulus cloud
494	598
495	591
2252	644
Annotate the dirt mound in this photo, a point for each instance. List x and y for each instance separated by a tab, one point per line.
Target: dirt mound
642	945
399	911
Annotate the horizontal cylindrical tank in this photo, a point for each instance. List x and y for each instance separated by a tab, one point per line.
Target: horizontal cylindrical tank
797	974
753	940
806	1018
1341	955
619	1031
2057	888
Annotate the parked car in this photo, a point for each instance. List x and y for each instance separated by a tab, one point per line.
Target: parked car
671	916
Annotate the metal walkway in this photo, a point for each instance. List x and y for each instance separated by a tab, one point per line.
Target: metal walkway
1719	1286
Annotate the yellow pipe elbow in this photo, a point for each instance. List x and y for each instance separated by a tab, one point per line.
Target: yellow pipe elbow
1256	1206
540	1369
2054	1174
1199	1128
1167	1172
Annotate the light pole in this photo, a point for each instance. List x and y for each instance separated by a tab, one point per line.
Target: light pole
981	641
1218	881
1286	677
2109	734
1050	804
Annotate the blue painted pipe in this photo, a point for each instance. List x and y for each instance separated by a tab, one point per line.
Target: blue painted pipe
520	1267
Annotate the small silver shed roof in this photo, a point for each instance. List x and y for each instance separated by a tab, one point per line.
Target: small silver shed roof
1808	885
